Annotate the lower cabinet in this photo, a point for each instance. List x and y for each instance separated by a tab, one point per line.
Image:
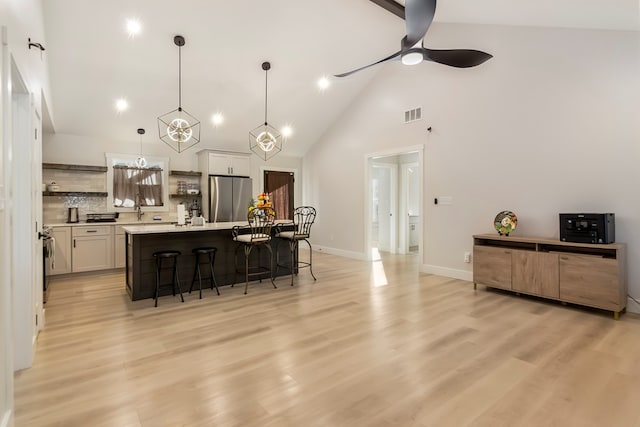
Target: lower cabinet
590	280
60	261
535	273
92	248
492	266
120	249
588	274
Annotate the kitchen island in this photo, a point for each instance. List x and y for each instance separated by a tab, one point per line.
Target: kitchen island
143	240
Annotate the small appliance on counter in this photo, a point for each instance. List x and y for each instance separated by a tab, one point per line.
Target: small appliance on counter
588	228
103	217
72	215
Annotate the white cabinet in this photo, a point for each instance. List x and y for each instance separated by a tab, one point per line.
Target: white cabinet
120	250
229	164
62	252
92	248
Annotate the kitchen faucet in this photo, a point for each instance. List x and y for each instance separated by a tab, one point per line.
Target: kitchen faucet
140	213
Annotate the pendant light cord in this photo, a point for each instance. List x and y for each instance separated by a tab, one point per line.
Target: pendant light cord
179	78
266	73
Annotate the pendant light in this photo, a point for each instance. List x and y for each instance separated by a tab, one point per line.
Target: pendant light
179	129
141	162
265	140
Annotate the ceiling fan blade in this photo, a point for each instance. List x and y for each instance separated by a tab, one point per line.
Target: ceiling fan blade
459	58
418	16
388	58
391	6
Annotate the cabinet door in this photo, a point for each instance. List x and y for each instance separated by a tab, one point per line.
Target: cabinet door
535	273
92	248
219	164
492	266
62	252
119	250
241	165
590	280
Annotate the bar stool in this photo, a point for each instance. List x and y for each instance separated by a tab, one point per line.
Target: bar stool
256	235
300	230
210	253
168	255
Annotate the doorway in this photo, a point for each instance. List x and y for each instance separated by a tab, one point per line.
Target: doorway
393	192
280	187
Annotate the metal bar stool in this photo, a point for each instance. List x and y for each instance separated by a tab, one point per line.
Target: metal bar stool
210	253
294	232
256	235
169	255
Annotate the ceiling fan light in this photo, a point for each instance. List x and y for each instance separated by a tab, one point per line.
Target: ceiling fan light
412	58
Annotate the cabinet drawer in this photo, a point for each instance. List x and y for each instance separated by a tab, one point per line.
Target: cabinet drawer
103	230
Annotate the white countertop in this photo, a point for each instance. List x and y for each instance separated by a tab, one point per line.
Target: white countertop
91	224
173	228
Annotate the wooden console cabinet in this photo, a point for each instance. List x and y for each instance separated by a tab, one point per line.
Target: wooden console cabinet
587	274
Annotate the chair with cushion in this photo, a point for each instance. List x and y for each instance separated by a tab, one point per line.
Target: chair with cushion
175	281
294	232
255	235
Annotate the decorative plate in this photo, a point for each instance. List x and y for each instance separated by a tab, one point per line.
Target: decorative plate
505	222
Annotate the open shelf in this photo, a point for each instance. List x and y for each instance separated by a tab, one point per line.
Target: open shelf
75	193
79	168
185	173
185	196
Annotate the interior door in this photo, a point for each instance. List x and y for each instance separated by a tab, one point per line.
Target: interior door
381	214
279	186
36	217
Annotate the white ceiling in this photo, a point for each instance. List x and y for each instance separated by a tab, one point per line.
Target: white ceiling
93	61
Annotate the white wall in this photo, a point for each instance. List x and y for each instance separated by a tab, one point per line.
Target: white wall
550	124
22	20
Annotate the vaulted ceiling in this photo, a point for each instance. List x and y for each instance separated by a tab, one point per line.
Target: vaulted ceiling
93	61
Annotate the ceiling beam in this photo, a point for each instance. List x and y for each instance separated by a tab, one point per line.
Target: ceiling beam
392	6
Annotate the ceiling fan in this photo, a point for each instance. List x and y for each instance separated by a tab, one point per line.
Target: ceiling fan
418	15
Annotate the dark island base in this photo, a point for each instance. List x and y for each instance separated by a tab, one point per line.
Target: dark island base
141	267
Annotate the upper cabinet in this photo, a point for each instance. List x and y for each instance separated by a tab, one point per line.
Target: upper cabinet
223	163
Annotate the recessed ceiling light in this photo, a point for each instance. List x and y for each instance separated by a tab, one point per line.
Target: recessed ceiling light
133	27
217	119
323	83
121	105
287	131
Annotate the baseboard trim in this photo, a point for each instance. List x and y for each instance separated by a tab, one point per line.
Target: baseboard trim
6	419
632	306
339	252
447	272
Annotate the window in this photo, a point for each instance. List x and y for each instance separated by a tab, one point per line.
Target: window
129	186
134	187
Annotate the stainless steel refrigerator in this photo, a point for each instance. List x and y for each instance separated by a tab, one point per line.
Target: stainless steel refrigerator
229	198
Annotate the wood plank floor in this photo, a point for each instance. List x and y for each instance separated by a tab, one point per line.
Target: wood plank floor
368	344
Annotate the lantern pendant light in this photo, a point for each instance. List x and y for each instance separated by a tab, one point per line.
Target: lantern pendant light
179	129
141	162
265	140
